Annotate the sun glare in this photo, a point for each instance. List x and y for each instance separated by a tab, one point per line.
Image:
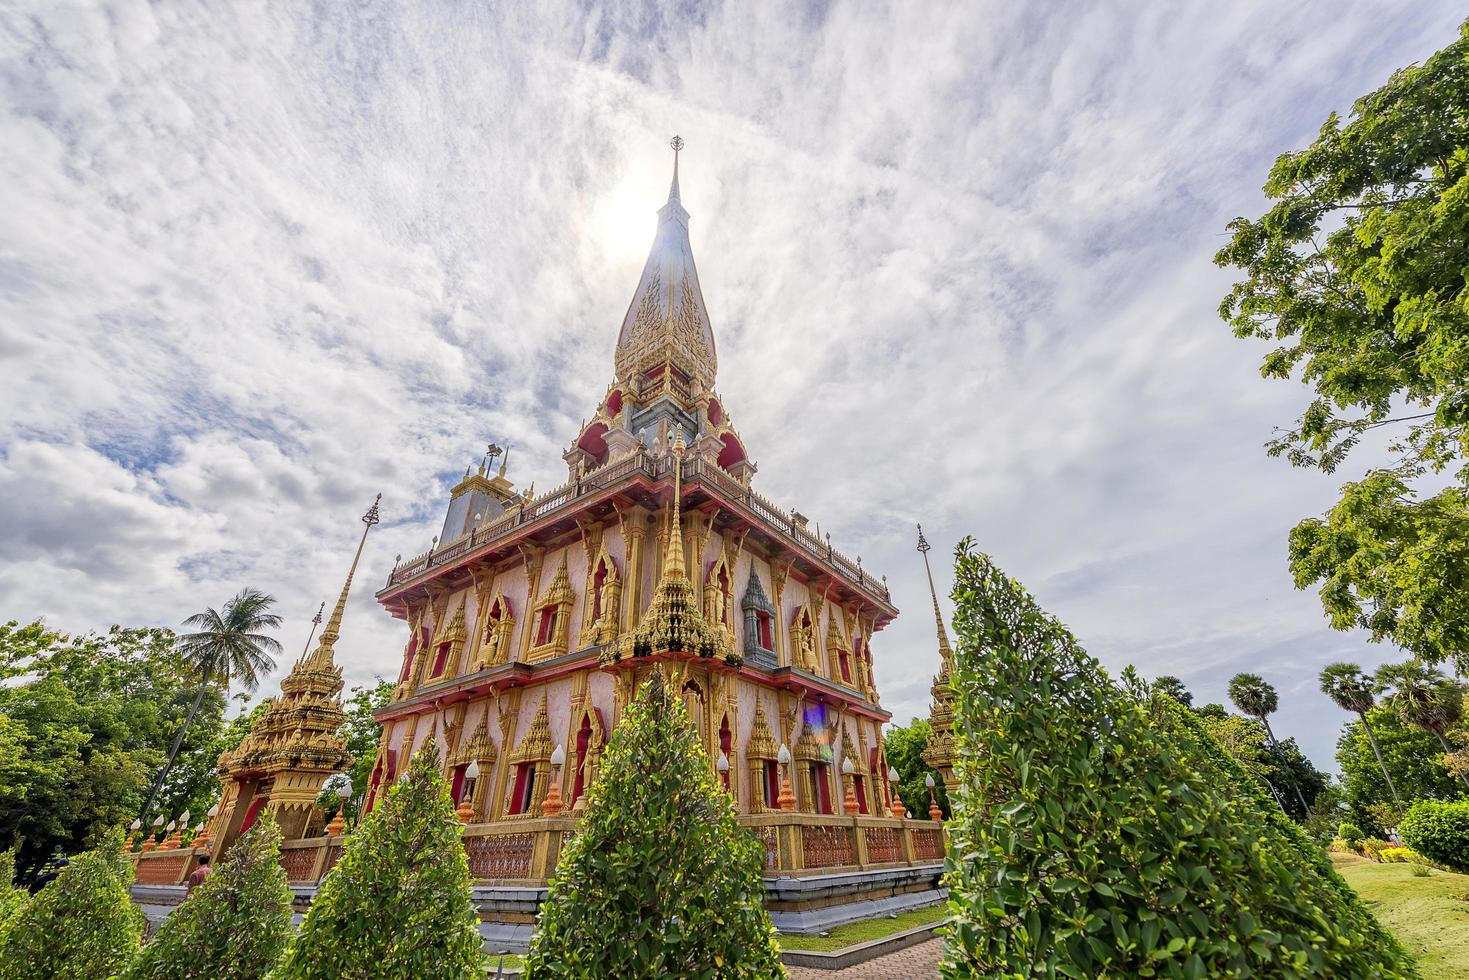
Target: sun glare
624	221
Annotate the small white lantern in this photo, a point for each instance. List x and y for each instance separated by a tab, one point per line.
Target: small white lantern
928	780
558	757
784	755
135	826
892	774
722	764
471	771
847	767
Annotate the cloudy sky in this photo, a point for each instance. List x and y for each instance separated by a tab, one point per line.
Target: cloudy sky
259	262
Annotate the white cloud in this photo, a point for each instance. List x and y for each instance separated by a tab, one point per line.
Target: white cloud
259	262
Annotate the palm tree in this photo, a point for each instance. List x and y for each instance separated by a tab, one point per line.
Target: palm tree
1423	698
1173	687
1255	696
1351	689
229	647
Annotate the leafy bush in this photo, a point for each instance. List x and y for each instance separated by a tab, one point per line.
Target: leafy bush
1372	847
660	880
1101	831
1350	832
1420	871
235	925
1342	846
397	903
82	925
12	899
1399	855
1439	831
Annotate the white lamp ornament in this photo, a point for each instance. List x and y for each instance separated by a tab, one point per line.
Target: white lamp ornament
551	805
934	811
786	800
895	804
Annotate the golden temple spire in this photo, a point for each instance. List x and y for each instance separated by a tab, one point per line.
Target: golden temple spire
944	649
324	650
667	321
673	560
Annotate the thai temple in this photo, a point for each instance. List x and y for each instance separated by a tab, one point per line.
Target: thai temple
530	624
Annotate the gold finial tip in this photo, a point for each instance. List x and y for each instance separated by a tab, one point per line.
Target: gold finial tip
371	517
923	544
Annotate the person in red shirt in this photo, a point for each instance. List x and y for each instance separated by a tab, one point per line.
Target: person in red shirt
200	873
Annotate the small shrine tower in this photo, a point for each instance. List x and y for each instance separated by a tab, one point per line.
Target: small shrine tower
294	747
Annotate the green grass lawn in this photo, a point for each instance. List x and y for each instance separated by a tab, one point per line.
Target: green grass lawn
1430	916
860	932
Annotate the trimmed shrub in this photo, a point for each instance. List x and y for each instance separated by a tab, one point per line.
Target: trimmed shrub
1439	832
1100	831
83	925
235	925
1350	832
660	880
397	903
1400	855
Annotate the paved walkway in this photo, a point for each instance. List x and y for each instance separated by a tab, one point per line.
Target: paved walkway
914	963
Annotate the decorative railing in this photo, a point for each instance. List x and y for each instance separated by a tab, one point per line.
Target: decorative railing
795	844
928	845
771	839
697	470
826	847
884	844
500	856
168	868
300	862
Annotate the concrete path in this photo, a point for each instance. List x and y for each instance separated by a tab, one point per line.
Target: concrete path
914	963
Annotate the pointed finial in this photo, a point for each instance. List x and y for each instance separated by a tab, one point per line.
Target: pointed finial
673	560
677	144
938	618
333	631
505	461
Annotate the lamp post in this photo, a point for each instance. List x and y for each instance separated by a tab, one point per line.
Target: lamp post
722	764
895	807
133	829
183	826
786	800
934	812
465	812
551	805
849	801
170	839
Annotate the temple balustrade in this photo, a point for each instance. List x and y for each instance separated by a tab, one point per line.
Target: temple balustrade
696	471
525	852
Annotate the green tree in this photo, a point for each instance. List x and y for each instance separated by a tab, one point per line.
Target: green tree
1256	697
1174	688
226	648
1100	830
1440	832
1355	278
397	903
1351	690
83	721
362	733
903	745
1424	698
81	926
660	880
235	925
12	899
1407	752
